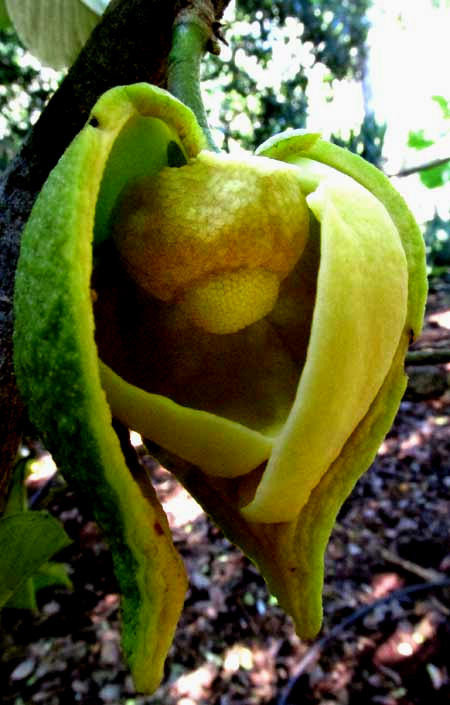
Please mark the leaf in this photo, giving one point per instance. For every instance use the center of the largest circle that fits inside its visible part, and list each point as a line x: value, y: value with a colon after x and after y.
x: 444, y: 105
x: 4, y: 17
x: 54, y: 32
x: 437, y: 176
x: 24, y: 598
x: 27, y: 540
x: 417, y: 140
x: 17, y: 495
x: 51, y: 575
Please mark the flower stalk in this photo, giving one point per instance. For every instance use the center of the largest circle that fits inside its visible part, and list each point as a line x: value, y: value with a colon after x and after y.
x: 192, y: 37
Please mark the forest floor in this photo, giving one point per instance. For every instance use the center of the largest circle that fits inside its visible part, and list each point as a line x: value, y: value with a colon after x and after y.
x: 383, y: 641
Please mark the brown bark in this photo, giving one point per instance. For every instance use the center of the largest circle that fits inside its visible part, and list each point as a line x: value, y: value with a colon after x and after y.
x: 130, y: 44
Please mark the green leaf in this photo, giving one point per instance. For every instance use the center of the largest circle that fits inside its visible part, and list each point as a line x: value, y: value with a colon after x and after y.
x: 417, y: 140
x: 51, y: 575
x: 54, y: 32
x: 27, y: 540
x: 17, y: 495
x: 437, y: 176
x: 24, y: 598
x: 4, y: 17
x: 444, y: 105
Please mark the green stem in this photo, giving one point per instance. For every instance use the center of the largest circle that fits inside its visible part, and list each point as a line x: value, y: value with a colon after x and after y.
x: 189, y: 42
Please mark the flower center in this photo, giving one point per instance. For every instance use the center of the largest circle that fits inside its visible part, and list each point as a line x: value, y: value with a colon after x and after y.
x: 215, y: 236
x: 226, y: 303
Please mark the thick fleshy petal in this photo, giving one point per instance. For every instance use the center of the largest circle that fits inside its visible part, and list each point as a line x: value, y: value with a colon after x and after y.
x: 221, y: 447
x: 359, y: 315
x: 296, y: 146
x: 57, y: 365
x: 290, y: 555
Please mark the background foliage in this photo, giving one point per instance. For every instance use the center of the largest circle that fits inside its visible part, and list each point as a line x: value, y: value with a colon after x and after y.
x: 333, y: 33
x: 25, y: 87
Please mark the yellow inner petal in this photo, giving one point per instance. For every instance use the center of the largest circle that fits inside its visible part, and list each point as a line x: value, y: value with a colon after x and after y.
x: 358, y: 319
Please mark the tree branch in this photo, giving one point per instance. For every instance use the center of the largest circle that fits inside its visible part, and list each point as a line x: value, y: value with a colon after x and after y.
x: 130, y: 44
x: 421, y: 167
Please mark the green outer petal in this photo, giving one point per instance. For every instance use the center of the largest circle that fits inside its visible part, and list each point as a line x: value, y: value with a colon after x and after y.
x: 294, y: 568
x: 297, y: 145
x: 358, y: 319
x: 56, y: 365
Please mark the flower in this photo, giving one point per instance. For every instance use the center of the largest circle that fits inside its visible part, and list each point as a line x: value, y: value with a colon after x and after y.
x: 252, y: 316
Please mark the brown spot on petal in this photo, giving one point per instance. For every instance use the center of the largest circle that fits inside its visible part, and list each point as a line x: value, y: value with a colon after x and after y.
x: 158, y: 528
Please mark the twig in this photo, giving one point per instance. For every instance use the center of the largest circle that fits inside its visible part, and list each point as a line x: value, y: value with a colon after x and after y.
x: 428, y: 356
x: 316, y: 649
x: 410, y: 567
x: 421, y: 167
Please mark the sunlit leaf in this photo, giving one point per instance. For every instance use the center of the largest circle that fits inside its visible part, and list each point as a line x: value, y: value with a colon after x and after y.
x: 54, y: 32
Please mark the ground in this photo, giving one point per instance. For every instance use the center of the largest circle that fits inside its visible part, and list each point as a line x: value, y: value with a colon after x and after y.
x: 384, y: 641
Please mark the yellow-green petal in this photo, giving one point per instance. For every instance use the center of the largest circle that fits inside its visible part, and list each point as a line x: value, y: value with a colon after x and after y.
x: 359, y: 315
x: 219, y: 446
x: 306, y: 542
x: 56, y: 360
x: 295, y: 146
x: 290, y: 555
